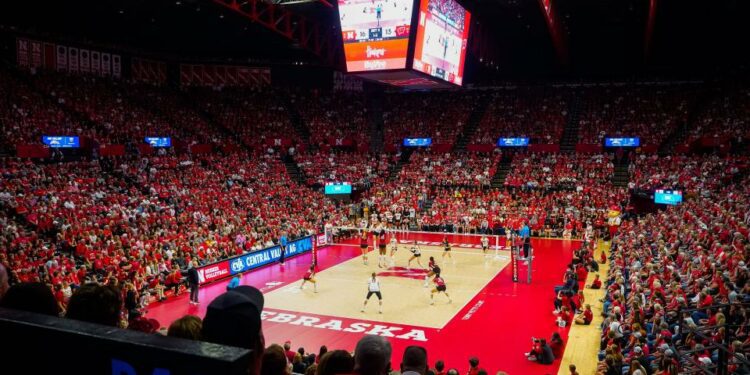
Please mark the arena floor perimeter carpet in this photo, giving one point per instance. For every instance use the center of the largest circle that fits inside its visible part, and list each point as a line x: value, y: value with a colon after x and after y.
x: 496, y: 325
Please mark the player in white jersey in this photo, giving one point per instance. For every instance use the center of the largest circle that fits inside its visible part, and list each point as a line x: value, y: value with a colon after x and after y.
x: 394, y: 249
x: 485, y: 244
x: 373, y: 287
x: 416, y: 253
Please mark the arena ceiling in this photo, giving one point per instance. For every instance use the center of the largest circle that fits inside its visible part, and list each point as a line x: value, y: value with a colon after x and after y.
x: 599, y: 37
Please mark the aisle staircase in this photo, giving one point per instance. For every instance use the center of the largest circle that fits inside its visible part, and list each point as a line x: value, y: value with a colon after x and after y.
x: 570, y: 133
x: 303, y: 132
x: 621, y: 177
x: 472, y: 123
x: 503, y: 168
x: 402, y: 161
x: 292, y: 169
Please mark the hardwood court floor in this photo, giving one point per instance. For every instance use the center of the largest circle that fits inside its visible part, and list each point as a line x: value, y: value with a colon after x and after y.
x: 496, y: 324
x: 343, y: 287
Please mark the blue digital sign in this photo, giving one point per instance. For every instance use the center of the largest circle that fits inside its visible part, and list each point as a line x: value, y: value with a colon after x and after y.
x: 417, y: 142
x: 338, y: 188
x: 269, y: 255
x: 622, y: 142
x: 671, y: 197
x: 61, y: 141
x: 512, y: 142
x: 159, y: 141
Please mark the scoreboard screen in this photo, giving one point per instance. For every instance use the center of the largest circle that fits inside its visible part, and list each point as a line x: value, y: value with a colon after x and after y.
x: 61, y: 141
x: 336, y: 188
x: 512, y: 142
x: 442, y: 35
x: 671, y: 197
x: 375, y: 33
x: 622, y: 142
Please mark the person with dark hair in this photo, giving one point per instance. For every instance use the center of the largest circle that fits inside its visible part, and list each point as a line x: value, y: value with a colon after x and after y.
x: 31, y: 297
x: 188, y: 327
x: 274, y: 361
x: 440, y: 367
x: 96, y: 303
x: 372, y: 356
x: 288, y: 351
x: 414, y: 361
x: 335, y: 362
x: 473, y: 366
x: 323, y: 350
x: 233, y: 319
x: 541, y: 352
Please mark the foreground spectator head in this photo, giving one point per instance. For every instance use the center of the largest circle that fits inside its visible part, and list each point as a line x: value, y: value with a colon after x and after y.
x: 188, y: 327
x: 96, y: 303
x: 233, y: 319
x: 452, y: 372
x: 274, y: 361
x: 335, y: 362
x: 414, y: 360
x: 473, y: 362
x: 31, y: 297
x: 372, y: 356
x: 3, y: 281
x: 439, y: 366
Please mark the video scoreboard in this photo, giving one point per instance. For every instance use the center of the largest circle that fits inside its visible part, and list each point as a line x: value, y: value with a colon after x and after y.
x: 381, y: 42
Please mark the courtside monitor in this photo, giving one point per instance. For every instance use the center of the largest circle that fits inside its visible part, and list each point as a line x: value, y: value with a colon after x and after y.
x: 61, y: 141
x: 159, y: 141
x: 375, y: 33
x: 512, y: 142
x: 622, y: 142
x: 671, y: 197
x: 417, y: 142
x: 442, y: 33
x: 338, y: 188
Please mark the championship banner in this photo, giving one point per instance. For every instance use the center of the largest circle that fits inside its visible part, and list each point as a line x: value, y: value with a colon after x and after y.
x: 36, y: 54
x: 73, y: 60
x: 22, y: 53
x: 116, y: 66
x: 96, y: 63
x: 106, y: 64
x: 84, y: 62
x: 61, y: 59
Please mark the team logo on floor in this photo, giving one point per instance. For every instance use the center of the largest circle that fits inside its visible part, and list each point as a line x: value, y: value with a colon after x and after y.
x: 417, y: 274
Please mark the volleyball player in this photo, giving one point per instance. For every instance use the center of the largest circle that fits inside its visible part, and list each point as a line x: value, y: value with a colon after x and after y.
x: 310, y: 277
x: 485, y: 244
x: 415, y: 254
x: 434, y: 270
x: 373, y: 287
x: 382, y: 248
x: 439, y: 287
x: 394, y: 249
x: 447, y: 249
x: 363, y: 245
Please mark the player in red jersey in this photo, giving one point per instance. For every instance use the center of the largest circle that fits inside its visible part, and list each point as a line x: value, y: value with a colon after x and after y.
x: 439, y: 287
x: 363, y: 245
x: 310, y: 277
x: 434, y: 270
x: 382, y: 262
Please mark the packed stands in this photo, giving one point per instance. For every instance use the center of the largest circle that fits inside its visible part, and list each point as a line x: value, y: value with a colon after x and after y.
x: 650, y: 113
x: 536, y: 170
x: 441, y: 116
x: 455, y: 169
x: 539, y: 116
x: 331, y: 117
x: 362, y: 170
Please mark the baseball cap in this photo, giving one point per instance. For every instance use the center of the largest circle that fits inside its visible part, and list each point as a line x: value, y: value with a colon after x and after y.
x: 233, y: 318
